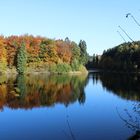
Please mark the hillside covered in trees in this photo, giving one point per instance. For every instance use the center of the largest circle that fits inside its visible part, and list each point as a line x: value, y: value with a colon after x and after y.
x: 122, y: 58
x: 28, y: 54
x: 125, y: 57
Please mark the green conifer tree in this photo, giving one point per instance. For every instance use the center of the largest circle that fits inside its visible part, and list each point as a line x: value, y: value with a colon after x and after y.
x: 21, y: 59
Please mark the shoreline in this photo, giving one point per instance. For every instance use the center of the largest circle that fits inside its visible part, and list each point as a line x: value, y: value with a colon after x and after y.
x: 38, y: 72
x: 113, y: 72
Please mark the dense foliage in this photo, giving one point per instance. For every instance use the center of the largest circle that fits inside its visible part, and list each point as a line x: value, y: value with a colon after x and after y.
x: 125, y: 57
x: 3, y: 55
x: 21, y: 59
x: 93, y: 62
x: 40, y: 53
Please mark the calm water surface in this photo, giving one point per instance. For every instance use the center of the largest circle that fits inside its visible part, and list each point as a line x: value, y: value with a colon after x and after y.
x: 97, y: 106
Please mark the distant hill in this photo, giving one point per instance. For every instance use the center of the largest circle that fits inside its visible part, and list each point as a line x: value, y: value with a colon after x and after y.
x: 124, y: 57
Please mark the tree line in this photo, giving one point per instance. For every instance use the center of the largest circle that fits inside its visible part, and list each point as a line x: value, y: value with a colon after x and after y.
x: 29, y: 53
x: 123, y: 58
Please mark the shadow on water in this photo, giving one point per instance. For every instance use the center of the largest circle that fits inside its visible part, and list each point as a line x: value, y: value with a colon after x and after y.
x: 32, y: 91
x: 127, y: 87
x: 122, y: 85
x: 27, y: 92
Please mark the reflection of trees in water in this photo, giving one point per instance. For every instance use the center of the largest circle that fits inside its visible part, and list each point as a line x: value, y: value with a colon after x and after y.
x: 40, y: 90
x: 125, y: 86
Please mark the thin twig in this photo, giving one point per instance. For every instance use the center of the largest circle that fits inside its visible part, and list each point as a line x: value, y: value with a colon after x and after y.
x: 121, y: 36
x: 72, y: 135
x: 127, y: 123
x: 126, y: 33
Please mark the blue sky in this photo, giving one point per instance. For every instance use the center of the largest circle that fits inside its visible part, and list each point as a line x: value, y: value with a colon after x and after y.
x: 95, y: 21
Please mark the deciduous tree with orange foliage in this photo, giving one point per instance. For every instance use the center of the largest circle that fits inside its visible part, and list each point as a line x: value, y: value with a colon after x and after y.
x: 3, y: 55
x: 42, y: 53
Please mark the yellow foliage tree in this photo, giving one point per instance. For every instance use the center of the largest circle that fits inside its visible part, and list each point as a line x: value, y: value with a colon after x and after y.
x: 3, y: 56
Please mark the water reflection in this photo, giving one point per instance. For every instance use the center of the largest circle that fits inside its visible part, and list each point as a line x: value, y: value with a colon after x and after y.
x: 131, y: 118
x: 123, y: 85
x: 40, y: 90
x: 103, y: 116
x: 127, y: 87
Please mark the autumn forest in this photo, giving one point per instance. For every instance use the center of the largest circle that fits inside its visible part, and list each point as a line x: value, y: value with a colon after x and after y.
x: 38, y: 54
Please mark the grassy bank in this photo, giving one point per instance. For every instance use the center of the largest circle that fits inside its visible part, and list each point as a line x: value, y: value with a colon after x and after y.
x: 48, y: 70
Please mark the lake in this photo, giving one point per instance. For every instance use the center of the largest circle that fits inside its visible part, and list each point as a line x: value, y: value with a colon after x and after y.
x: 96, y: 106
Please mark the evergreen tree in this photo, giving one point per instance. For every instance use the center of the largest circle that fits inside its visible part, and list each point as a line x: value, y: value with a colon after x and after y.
x: 75, y: 51
x: 94, y: 60
x: 43, y: 50
x: 83, y: 50
x: 21, y: 59
x: 67, y: 40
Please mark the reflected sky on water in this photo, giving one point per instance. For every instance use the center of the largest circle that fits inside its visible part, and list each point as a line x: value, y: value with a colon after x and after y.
x: 97, y: 106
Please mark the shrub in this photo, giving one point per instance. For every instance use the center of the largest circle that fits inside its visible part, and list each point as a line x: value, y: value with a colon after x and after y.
x: 82, y: 69
x: 63, y: 68
x: 75, y: 65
